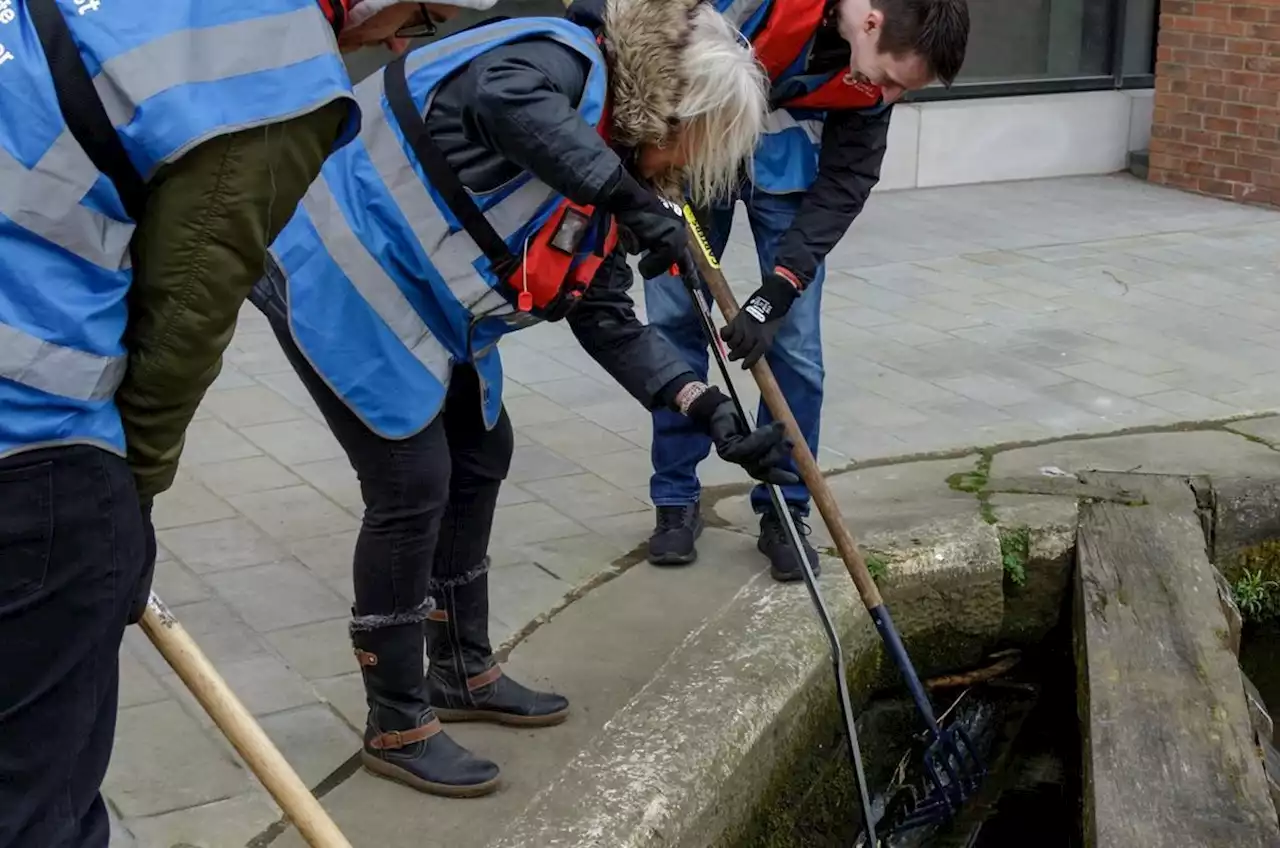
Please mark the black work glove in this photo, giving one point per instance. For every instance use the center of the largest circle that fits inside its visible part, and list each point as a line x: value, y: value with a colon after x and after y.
x: 142, y: 592
x: 647, y: 224
x: 750, y: 334
x: 759, y: 452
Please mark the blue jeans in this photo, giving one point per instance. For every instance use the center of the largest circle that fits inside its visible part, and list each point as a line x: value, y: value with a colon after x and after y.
x: 796, y: 359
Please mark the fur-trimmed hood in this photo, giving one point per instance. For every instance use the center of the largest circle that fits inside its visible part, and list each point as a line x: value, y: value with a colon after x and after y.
x: 643, y: 43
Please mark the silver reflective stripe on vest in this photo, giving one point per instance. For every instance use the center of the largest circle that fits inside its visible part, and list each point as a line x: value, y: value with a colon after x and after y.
x: 373, y: 284
x: 209, y: 54
x: 45, y: 200
x: 780, y: 119
x: 740, y: 10
x: 454, y: 255
x: 56, y: 369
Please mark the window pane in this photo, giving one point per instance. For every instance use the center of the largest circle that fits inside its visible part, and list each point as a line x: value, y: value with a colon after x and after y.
x: 1140, y: 36
x: 1038, y: 39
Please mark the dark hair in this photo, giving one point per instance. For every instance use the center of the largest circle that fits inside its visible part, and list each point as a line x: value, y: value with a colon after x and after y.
x: 936, y: 30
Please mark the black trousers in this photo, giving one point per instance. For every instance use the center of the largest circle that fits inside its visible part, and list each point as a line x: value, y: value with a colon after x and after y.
x: 71, y: 557
x: 429, y: 499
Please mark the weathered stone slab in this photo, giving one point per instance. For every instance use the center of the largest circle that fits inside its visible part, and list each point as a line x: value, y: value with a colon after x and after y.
x: 1169, y: 754
x: 1259, y: 716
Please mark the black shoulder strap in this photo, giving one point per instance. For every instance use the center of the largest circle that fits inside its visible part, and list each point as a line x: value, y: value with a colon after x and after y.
x: 81, y: 108
x: 443, y: 178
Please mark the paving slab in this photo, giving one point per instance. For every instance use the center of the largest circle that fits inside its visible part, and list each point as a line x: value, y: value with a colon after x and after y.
x: 1199, y: 452
x: 599, y: 652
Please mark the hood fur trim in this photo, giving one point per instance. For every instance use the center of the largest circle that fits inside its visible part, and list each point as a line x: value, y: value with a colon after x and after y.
x: 643, y: 42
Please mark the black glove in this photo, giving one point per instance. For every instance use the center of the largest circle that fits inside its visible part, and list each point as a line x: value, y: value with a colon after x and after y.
x: 142, y: 592
x: 647, y: 224
x: 759, y: 452
x: 750, y: 334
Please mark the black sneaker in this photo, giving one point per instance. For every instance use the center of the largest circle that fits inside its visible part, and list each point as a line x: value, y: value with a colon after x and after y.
x: 775, y: 544
x: 673, y: 537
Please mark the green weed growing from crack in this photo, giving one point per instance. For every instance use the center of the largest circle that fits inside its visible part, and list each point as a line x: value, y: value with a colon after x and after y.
x: 1257, y: 597
x: 1015, y: 553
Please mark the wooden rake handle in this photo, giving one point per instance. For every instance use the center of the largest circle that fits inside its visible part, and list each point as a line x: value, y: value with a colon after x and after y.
x: 821, y: 493
x: 237, y: 724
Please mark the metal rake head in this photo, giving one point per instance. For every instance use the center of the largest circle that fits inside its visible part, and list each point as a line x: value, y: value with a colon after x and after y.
x: 953, y: 773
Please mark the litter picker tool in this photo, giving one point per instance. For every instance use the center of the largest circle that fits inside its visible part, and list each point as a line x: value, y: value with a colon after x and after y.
x: 237, y: 724
x: 691, y: 280
x: 952, y: 771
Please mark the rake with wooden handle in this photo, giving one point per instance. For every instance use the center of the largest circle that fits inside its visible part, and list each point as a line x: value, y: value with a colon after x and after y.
x: 237, y: 724
x: 951, y: 766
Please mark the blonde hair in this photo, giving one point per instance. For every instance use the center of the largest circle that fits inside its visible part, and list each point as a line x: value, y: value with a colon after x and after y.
x: 723, y: 109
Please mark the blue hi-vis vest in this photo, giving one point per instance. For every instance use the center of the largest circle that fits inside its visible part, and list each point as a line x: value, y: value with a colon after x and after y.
x: 782, y: 33
x: 171, y: 74
x: 386, y: 291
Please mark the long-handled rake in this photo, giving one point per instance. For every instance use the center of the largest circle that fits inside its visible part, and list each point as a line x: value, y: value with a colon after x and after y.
x: 691, y: 281
x: 952, y: 769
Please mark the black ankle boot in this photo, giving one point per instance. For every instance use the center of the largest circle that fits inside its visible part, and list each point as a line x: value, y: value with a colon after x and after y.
x: 464, y: 682
x: 403, y: 739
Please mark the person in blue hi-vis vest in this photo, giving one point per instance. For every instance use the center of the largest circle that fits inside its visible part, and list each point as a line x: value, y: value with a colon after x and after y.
x: 497, y: 173
x: 837, y: 67
x: 149, y: 152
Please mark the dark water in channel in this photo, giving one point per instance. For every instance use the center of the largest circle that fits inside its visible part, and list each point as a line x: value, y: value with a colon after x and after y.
x: 1260, y: 659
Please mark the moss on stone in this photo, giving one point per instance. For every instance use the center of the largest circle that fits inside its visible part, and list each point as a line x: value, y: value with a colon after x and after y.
x: 1015, y: 553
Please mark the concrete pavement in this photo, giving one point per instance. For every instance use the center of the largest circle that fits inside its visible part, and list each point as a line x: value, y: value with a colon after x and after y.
x: 952, y: 317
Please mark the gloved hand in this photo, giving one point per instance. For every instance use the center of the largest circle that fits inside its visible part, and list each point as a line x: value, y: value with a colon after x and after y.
x: 647, y: 224
x: 142, y: 593
x: 759, y: 452
x: 750, y: 334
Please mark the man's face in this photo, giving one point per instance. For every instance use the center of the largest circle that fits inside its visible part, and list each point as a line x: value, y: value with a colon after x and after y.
x: 382, y: 27
x: 860, y: 24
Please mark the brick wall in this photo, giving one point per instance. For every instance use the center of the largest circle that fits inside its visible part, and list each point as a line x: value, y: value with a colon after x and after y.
x: 1216, y: 127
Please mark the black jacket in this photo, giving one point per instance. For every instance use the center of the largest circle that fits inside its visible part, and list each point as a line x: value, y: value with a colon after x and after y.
x: 512, y: 109
x: 852, y: 151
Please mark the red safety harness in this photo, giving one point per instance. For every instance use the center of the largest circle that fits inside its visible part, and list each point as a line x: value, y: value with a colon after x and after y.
x: 554, y: 268
x: 787, y: 31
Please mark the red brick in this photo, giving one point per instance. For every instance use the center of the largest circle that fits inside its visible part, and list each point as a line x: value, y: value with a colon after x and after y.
x: 1202, y: 138
x: 1259, y: 97
x: 1235, y: 142
x: 1260, y: 63
x: 1194, y: 89
x: 1205, y: 107
x: 1234, y: 174
x: 1217, y: 156
x: 1254, y: 162
x: 1203, y: 74
x: 1225, y: 93
x: 1268, y: 147
x: 1184, y: 23
x: 1225, y: 61
x: 1179, y: 179
x: 1236, y: 110
x: 1202, y: 169
x: 1248, y: 47
x: 1244, y: 79
x: 1164, y: 160
x: 1248, y: 13
x: 1197, y: 41
x: 1215, y: 187
x: 1222, y: 125
x: 1170, y: 8
x: 1212, y: 10
x: 1234, y: 29
x: 1263, y: 32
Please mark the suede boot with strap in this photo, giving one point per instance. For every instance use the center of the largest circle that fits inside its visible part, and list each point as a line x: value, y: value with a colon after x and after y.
x: 465, y: 683
x: 403, y: 739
